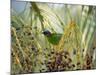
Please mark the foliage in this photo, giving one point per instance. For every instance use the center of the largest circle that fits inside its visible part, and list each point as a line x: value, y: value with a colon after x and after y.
x: 30, y: 50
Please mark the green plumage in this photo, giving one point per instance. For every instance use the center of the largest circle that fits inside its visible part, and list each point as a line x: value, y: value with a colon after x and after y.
x: 54, y: 38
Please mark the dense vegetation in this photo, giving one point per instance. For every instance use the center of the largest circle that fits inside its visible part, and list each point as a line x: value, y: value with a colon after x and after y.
x: 31, y: 52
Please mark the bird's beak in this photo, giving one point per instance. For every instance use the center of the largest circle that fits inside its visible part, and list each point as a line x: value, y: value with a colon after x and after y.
x: 42, y: 32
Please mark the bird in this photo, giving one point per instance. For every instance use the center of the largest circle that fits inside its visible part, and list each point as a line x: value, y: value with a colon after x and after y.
x: 53, y: 38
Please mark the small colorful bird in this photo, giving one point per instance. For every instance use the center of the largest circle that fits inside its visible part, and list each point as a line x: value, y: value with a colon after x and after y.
x: 53, y: 38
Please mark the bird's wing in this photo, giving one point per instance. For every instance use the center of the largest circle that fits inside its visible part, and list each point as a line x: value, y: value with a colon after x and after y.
x: 55, y: 38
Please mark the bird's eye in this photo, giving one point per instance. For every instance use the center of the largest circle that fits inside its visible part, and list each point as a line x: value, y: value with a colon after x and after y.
x: 46, y: 32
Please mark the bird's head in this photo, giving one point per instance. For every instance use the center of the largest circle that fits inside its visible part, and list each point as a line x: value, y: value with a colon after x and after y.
x: 46, y: 33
